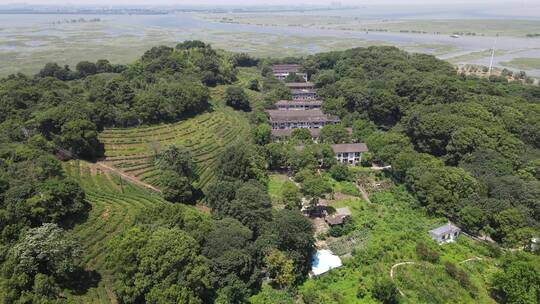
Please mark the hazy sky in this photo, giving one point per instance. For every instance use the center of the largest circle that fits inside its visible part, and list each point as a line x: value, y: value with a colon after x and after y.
x: 253, y: 2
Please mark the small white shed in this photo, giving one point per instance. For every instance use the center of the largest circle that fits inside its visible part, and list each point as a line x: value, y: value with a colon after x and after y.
x: 445, y: 234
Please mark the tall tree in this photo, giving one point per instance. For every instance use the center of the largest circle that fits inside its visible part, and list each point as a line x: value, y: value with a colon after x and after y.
x: 158, y: 266
x: 236, y: 98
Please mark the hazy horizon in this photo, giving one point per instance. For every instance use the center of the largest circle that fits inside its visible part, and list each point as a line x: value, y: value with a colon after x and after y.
x: 267, y: 3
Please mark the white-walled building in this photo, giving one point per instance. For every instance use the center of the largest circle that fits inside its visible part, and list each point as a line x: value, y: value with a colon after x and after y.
x: 298, y: 104
x: 279, y: 134
x: 304, y: 94
x: 350, y: 154
x: 281, y: 71
x: 292, y: 119
x: 300, y: 85
x: 445, y: 234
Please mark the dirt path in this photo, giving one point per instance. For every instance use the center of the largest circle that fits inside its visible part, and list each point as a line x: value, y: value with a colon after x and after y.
x: 126, y: 176
x: 417, y: 263
x: 392, y: 273
x: 380, y: 168
x: 365, y: 195
x: 470, y: 260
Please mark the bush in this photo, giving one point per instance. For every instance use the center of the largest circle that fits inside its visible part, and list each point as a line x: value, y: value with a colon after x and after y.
x: 290, y: 195
x: 385, y: 291
x: 244, y: 60
x: 459, y: 275
x: 493, y: 250
x: 253, y: 85
x: 341, y: 230
x: 426, y: 254
x: 340, y: 172
x: 236, y: 98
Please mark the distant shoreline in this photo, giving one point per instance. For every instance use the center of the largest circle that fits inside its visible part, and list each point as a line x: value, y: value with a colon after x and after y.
x: 165, y: 11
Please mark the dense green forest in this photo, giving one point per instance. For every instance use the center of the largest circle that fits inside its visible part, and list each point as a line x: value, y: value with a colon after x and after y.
x: 460, y: 148
x: 467, y: 148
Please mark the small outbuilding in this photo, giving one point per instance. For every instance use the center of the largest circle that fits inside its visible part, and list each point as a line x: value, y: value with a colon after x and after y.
x: 445, y: 234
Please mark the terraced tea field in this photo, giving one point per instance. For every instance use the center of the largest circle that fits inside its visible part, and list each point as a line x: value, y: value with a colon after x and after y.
x: 207, y: 135
x: 114, y: 204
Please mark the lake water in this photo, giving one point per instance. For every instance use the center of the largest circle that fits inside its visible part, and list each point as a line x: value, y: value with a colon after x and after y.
x: 33, y: 27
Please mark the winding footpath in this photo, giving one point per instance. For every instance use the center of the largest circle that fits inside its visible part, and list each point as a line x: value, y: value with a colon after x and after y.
x: 392, y: 272
x: 418, y: 263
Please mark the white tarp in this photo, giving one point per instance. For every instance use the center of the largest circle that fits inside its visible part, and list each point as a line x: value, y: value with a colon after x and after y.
x: 323, y: 261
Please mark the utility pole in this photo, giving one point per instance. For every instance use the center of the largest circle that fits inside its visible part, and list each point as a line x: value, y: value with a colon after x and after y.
x: 493, y: 54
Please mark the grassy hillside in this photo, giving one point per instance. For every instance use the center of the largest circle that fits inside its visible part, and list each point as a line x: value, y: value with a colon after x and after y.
x: 206, y: 135
x: 386, y: 233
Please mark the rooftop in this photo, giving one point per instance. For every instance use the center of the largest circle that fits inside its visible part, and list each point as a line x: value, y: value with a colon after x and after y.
x: 312, y: 102
x: 314, y: 115
x: 303, y: 91
x: 444, y: 229
x: 348, y: 148
x: 293, y: 85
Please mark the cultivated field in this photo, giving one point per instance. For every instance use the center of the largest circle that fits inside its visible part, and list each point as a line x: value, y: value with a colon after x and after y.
x: 114, y: 204
x: 131, y: 150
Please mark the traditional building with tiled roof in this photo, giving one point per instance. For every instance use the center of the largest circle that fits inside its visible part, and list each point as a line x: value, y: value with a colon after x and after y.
x: 290, y: 119
x: 304, y: 94
x: 281, y: 71
x: 298, y: 104
x: 350, y: 154
x: 300, y: 85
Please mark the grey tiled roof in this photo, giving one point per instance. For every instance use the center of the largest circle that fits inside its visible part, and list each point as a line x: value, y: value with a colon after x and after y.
x: 303, y: 91
x: 444, y: 229
x: 293, y: 85
x: 314, y: 115
x: 312, y: 102
x: 348, y: 148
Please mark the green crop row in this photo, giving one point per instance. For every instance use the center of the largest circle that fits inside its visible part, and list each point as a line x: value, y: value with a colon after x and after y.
x: 206, y: 136
x: 114, y: 204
